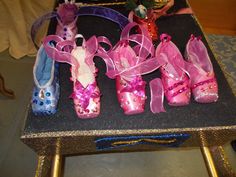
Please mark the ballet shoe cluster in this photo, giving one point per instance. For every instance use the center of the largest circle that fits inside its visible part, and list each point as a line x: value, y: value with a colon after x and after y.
x: 133, y: 56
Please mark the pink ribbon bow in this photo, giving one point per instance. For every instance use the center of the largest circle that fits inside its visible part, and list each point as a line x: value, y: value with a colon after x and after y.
x: 140, y: 58
x: 84, y: 94
x: 136, y: 86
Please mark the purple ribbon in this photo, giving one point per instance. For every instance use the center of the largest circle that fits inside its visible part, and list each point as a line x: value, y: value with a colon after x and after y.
x: 136, y: 86
x: 106, y: 13
x: 38, y: 23
x: 102, y: 12
x: 84, y: 94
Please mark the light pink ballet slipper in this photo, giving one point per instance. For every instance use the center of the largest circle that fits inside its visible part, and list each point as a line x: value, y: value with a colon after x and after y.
x: 174, y: 75
x: 203, y: 82
x: 86, y: 94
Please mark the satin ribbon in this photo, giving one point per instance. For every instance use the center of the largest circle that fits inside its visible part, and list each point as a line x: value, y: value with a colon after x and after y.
x: 140, y: 60
x: 140, y: 57
x: 57, y: 52
x: 136, y: 86
x: 106, y: 13
x: 84, y: 94
x: 102, y: 12
x: 157, y: 96
x: 54, y: 45
x: 38, y: 23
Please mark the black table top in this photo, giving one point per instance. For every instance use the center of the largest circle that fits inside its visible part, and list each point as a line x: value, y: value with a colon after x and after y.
x: 195, y: 115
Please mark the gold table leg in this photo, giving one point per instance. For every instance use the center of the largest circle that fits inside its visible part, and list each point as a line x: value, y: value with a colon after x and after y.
x: 209, y: 161
x: 44, y: 166
x: 56, y: 166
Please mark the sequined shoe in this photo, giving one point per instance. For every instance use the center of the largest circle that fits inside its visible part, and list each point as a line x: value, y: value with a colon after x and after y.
x: 67, y: 18
x: 126, y: 63
x: 147, y: 21
x: 46, y: 90
x: 203, y: 82
x: 174, y: 77
x: 86, y: 94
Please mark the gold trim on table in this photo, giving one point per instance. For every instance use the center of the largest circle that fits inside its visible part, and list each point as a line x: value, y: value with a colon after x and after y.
x: 83, y: 141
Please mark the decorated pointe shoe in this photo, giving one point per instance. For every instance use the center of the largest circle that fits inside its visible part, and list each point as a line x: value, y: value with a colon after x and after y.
x: 203, y: 82
x: 67, y: 18
x: 173, y: 74
x: 126, y: 64
x: 86, y: 94
x: 45, y: 96
x: 146, y: 19
x: 46, y: 90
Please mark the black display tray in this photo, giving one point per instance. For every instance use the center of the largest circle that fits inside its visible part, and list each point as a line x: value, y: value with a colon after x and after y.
x: 195, y: 115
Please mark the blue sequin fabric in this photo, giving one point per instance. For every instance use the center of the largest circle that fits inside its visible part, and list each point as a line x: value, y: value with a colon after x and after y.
x: 46, y: 90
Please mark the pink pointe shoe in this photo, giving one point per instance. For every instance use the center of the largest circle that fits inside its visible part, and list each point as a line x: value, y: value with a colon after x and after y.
x: 67, y: 18
x: 174, y: 78
x: 86, y: 94
x: 126, y: 64
x: 203, y: 82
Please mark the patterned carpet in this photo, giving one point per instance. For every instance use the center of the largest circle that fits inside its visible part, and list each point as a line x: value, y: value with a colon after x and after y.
x: 224, y: 48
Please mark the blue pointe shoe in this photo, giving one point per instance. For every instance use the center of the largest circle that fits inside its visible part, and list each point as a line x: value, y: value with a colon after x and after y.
x: 46, y: 90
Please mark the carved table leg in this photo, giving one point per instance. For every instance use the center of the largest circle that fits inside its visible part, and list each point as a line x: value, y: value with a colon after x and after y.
x: 6, y: 92
x: 44, y: 166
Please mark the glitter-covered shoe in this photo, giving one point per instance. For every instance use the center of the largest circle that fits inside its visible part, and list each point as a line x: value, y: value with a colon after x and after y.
x: 67, y: 18
x: 174, y: 76
x: 86, y: 94
x: 127, y: 63
x: 203, y: 82
x: 146, y: 20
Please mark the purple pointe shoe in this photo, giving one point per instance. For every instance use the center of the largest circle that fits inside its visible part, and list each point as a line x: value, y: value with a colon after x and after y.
x: 67, y: 18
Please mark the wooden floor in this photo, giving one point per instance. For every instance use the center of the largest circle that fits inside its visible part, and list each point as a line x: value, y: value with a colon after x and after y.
x: 216, y: 16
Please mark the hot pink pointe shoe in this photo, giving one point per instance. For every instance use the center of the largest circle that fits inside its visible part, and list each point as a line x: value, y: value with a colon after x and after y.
x: 86, y: 94
x: 67, y: 18
x: 203, y: 82
x: 174, y: 78
x: 126, y: 64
